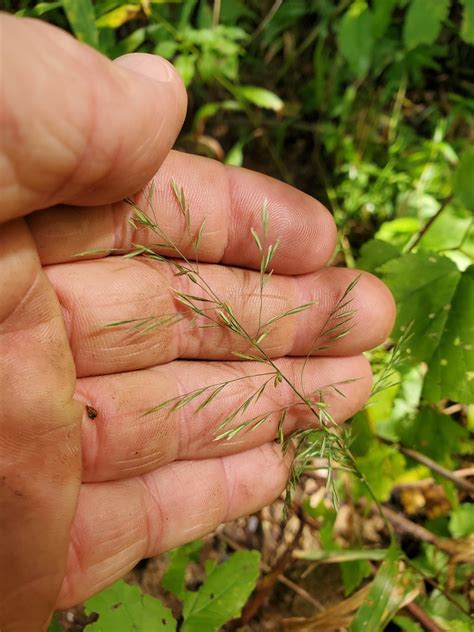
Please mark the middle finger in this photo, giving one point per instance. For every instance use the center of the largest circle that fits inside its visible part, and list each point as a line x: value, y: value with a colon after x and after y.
x: 96, y: 293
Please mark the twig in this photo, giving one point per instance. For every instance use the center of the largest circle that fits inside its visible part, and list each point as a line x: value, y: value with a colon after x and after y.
x: 267, y: 19
x: 421, y: 616
x: 415, y: 240
x: 460, y: 482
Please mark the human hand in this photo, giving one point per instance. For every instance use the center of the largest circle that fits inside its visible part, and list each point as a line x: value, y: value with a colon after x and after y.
x: 83, y: 499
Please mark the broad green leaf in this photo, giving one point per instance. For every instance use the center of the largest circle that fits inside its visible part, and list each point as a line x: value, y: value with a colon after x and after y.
x: 453, y: 227
x: 123, y: 608
x: 186, y: 66
x: 461, y: 522
x: 223, y: 594
x: 423, y: 21
x: 451, y: 370
x: 467, y: 28
x: 174, y: 577
x: 393, y: 586
x: 80, y: 14
x: 375, y: 253
x: 463, y: 182
x: 382, y: 466
x: 353, y: 573
x: 382, y: 13
x: 423, y: 285
x: 355, y: 37
x: 432, y: 433
x: 166, y: 49
x: 398, y: 231
x: 119, y: 16
x: 447, y: 614
x: 261, y: 97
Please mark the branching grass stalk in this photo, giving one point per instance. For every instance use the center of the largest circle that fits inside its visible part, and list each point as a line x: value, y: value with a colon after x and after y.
x: 326, y: 440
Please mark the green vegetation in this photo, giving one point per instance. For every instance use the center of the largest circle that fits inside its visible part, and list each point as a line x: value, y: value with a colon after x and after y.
x: 369, y: 107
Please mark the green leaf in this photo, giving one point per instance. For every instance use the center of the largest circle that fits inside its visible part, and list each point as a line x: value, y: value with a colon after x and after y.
x: 450, y: 229
x: 463, y: 182
x: 166, y: 49
x: 447, y: 614
x: 382, y: 12
x: 235, y: 155
x: 461, y: 522
x: 340, y: 555
x: 467, y: 28
x: 123, y: 608
x: 353, y: 573
x: 406, y: 624
x: 186, y: 66
x: 223, y: 594
x: 423, y: 285
x: 174, y: 577
x: 80, y: 14
x: 375, y: 253
x: 382, y: 466
x: 391, y: 588
x: 423, y: 22
x: 119, y: 16
x: 54, y: 626
x: 355, y: 37
x: 432, y: 433
x: 260, y: 97
x: 451, y: 370
x: 399, y: 230
x: 40, y: 9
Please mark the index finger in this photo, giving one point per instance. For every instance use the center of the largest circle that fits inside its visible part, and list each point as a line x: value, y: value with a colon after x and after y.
x: 77, y: 128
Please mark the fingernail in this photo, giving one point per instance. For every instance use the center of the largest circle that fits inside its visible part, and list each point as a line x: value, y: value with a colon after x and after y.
x: 151, y: 66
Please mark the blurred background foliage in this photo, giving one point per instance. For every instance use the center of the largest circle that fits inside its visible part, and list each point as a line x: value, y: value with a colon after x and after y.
x: 367, y: 105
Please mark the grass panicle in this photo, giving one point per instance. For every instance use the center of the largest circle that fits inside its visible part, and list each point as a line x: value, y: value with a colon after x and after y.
x: 325, y: 440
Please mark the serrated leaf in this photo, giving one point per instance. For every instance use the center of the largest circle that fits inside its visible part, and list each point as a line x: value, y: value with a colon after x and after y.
x: 467, y: 27
x: 392, y: 587
x: 463, y: 181
x: 260, y: 97
x: 451, y: 370
x: 81, y: 17
x: 223, y: 594
x: 423, y: 286
x: 355, y: 38
x: 123, y: 608
x: 423, y: 21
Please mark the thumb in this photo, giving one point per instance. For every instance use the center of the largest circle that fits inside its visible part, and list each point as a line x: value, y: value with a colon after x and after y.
x: 77, y: 128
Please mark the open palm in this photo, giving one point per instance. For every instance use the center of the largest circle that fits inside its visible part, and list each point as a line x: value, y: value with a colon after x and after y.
x: 88, y: 485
